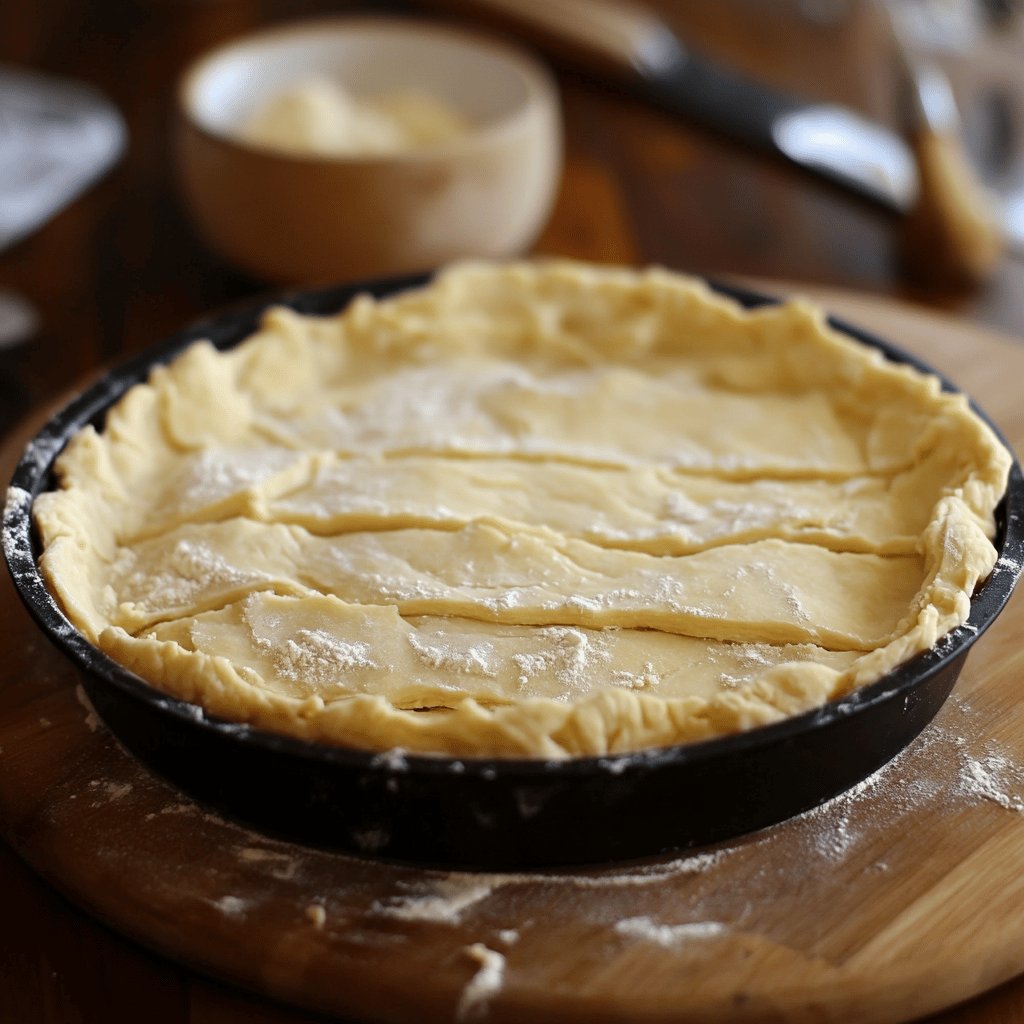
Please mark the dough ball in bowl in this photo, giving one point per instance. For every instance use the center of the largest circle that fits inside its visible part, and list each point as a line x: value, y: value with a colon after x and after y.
x: 398, y: 145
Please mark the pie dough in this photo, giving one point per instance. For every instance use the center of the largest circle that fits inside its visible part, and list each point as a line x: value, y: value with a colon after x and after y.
x: 317, y: 116
x: 544, y: 509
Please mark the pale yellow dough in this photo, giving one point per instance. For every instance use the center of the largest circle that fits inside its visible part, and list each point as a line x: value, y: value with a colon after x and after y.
x: 317, y: 116
x: 542, y: 509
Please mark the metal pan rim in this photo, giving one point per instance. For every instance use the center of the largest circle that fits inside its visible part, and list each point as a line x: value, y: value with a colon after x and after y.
x: 230, y: 326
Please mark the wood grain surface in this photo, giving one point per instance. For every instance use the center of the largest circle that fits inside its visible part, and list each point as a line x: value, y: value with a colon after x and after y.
x: 121, y: 268
x: 896, y: 900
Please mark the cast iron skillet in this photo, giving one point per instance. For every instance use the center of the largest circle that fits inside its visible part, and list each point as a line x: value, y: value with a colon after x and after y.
x: 492, y: 813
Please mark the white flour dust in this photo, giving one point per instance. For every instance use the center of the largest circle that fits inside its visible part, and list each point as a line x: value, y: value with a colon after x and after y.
x: 276, y: 864
x: 486, y: 983
x: 992, y: 777
x: 444, y: 903
x: 669, y: 935
x: 689, y: 899
x: 444, y: 899
x: 939, y: 772
x: 232, y: 906
x: 111, y: 791
x: 92, y: 720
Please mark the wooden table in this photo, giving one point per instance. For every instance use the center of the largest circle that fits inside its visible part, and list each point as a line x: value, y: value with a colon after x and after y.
x: 121, y: 268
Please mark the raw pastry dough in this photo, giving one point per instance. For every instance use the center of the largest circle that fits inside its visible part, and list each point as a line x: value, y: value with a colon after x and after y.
x: 318, y: 116
x: 540, y: 509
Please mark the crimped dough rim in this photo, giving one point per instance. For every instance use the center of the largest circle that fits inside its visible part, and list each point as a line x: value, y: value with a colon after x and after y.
x: 611, y: 721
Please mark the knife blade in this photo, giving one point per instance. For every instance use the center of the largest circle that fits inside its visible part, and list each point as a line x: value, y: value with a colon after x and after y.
x: 829, y: 140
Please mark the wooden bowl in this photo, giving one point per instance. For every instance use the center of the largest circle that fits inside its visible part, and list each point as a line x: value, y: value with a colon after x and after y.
x: 291, y: 218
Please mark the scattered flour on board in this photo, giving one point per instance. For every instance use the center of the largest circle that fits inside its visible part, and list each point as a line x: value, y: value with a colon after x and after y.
x: 484, y: 985
x: 111, y: 790
x: 254, y: 854
x: 689, y: 864
x: 832, y: 832
x: 938, y: 773
x: 445, y: 898
x: 92, y: 720
x: 448, y: 899
x: 231, y: 906
x: 284, y: 866
x: 988, y: 777
x: 669, y: 935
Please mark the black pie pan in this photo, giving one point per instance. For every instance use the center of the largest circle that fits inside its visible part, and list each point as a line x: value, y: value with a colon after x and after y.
x: 491, y: 813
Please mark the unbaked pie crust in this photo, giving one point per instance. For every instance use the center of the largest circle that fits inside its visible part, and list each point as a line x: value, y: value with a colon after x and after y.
x: 543, y: 509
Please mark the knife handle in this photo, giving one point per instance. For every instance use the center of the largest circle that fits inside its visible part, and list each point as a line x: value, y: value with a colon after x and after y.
x: 633, y: 43
x: 614, y: 34
x: 721, y: 100
x: 630, y: 44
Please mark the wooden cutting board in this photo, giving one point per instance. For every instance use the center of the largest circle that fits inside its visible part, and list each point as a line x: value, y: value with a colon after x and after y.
x: 895, y: 900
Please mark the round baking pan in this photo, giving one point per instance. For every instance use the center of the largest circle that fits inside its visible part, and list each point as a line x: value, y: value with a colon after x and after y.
x: 491, y: 812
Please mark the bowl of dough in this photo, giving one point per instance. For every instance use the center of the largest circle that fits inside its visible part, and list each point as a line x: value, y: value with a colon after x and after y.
x: 351, y: 148
x: 528, y: 563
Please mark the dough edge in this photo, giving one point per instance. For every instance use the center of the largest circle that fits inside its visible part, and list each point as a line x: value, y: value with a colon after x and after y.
x: 606, y: 723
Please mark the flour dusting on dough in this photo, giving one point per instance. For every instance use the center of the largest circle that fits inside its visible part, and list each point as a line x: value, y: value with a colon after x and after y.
x: 316, y: 656
x: 441, y: 654
x: 570, y: 658
x: 534, y: 509
x: 191, y: 568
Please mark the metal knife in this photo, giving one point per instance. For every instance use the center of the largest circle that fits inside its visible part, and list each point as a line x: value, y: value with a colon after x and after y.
x: 631, y: 44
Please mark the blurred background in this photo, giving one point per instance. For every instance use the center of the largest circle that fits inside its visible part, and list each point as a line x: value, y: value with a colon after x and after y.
x: 121, y: 265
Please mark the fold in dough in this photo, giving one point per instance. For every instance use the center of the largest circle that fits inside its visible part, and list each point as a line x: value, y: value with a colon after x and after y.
x: 539, y: 509
x: 769, y: 590
x: 644, y: 508
x: 296, y: 647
